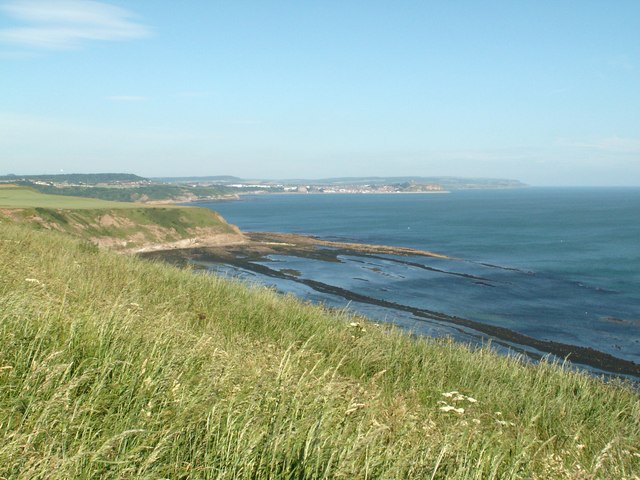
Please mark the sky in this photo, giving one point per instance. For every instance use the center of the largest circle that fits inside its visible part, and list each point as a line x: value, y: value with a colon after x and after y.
x: 546, y: 92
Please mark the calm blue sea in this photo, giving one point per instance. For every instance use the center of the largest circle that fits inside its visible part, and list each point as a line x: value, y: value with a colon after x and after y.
x: 556, y: 264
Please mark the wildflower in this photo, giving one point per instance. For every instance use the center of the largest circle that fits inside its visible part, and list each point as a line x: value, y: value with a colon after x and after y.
x: 33, y: 280
x: 357, y: 326
x: 502, y: 423
x: 476, y: 421
x: 450, y: 408
x: 456, y: 396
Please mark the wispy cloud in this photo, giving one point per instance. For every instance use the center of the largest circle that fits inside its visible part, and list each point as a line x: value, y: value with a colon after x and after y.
x: 609, y: 144
x: 127, y: 98
x: 64, y: 24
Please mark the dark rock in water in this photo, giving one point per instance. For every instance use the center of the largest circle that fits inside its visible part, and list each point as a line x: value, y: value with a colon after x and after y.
x: 620, y: 320
x: 249, y: 257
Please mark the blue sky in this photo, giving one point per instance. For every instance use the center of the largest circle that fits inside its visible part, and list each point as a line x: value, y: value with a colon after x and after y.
x: 547, y: 92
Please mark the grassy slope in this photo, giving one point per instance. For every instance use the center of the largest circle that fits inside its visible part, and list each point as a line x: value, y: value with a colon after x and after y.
x: 121, y: 224
x: 12, y: 196
x: 113, y: 367
x: 140, y: 193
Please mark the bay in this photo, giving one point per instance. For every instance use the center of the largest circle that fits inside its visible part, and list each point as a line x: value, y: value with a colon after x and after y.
x: 556, y: 264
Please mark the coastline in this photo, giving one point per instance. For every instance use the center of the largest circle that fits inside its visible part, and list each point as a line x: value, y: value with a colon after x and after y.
x: 259, y: 245
x: 238, y: 196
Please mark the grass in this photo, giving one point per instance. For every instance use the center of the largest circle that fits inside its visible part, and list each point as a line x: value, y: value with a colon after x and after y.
x: 12, y: 196
x: 111, y: 367
x: 120, y: 224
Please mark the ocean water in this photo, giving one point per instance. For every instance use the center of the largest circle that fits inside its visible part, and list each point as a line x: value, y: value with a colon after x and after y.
x: 554, y: 264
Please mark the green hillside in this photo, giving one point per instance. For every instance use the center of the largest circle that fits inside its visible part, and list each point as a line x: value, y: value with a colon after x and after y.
x: 143, y: 193
x: 112, y: 367
x: 86, y: 178
x: 13, y: 196
x: 114, y: 224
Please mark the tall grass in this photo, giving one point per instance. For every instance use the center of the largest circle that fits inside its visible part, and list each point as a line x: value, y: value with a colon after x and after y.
x: 116, y: 368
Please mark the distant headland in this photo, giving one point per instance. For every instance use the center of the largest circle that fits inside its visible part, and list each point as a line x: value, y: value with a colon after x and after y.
x: 125, y: 187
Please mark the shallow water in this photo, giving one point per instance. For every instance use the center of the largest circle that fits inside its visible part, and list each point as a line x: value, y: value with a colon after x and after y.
x: 554, y: 264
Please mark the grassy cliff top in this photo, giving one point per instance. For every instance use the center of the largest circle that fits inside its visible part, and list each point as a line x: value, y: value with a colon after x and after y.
x: 115, y: 224
x: 112, y: 367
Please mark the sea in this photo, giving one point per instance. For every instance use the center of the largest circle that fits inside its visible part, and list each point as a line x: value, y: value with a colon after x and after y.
x: 555, y: 264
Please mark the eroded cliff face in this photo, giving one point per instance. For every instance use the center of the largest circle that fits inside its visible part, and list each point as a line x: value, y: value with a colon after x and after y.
x: 133, y: 229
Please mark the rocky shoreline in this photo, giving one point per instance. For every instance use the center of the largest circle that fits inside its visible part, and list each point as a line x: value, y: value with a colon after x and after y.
x: 260, y: 245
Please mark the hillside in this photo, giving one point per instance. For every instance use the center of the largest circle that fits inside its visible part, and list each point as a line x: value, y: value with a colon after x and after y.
x: 112, y: 367
x: 155, y: 194
x: 124, y: 226
x: 76, y: 178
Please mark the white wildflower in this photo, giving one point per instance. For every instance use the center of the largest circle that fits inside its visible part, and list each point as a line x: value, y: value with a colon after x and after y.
x: 450, y: 408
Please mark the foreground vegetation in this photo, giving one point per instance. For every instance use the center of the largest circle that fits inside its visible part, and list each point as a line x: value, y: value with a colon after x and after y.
x: 114, y: 367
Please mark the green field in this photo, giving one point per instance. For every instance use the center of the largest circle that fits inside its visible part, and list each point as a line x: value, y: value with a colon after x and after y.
x: 12, y: 196
x: 112, y: 367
